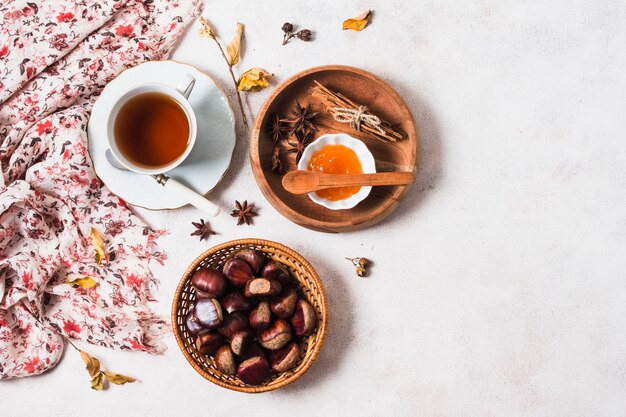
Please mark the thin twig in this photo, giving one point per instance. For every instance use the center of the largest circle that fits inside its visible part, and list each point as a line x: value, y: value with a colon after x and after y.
x: 232, y: 75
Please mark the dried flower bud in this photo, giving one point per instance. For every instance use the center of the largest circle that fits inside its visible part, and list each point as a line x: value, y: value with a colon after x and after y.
x: 287, y: 27
x: 304, y: 34
x: 364, y: 262
x: 360, y: 271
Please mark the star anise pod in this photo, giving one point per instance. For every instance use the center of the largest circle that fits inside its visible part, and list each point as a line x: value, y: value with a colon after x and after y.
x: 202, y: 229
x: 277, y: 165
x: 243, y: 212
x: 302, y: 141
x: 278, y: 128
x: 303, y: 119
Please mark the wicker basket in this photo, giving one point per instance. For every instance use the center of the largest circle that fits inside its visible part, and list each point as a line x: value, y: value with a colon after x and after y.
x: 309, y: 287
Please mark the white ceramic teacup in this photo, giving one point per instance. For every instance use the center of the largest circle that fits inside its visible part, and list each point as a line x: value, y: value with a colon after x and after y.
x: 180, y: 94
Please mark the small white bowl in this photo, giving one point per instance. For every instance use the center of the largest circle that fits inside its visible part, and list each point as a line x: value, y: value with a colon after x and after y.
x: 365, y: 157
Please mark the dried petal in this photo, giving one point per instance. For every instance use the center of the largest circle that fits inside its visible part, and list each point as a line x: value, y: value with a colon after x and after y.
x: 358, y: 23
x: 206, y: 31
x: 84, y: 282
x: 93, y: 364
x: 97, y: 241
x: 234, y: 47
x: 97, y: 382
x: 255, y: 79
x: 118, y: 379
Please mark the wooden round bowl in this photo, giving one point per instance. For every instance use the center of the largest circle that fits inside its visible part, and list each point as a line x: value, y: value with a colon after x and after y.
x: 308, y: 285
x: 363, y: 88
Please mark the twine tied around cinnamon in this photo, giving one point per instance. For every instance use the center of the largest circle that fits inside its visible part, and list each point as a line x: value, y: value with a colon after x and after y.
x: 344, y: 110
x: 356, y: 117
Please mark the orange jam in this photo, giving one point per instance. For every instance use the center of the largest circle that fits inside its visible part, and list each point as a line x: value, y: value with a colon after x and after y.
x: 336, y: 159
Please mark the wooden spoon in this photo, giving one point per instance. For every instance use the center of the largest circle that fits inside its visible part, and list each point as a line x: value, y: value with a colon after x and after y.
x: 302, y: 182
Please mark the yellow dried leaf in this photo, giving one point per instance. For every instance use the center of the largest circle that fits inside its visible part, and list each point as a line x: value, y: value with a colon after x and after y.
x: 255, y: 79
x: 97, y: 242
x: 207, y: 30
x: 97, y: 382
x: 118, y: 379
x: 358, y: 23
x: 93, y: 364
x: 84, y: 282
x: 234, y: 47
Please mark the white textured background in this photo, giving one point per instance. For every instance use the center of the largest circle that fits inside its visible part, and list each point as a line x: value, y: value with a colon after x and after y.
x: 499, y: 284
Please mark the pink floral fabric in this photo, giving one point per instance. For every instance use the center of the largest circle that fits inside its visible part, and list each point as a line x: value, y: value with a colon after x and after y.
x: 55, y: 57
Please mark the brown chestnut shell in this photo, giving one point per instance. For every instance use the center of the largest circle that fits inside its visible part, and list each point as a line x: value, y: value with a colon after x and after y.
x: 207, y: 343
x: 225, y: 360
x: 284, y: 304
x: 284, y: 359
x: 235, y: 301
x: 209, y: 282
x: 275, y: 336
x: 254, y: 371
x: 233, y: 323
x: 304, y: 319
x: 238, y: 272
x: 276, y: 271
x: 262, y: 287
x: 254, y: 258
x: 260, y: 317
x: 241, y: 340
x: 253, y: 349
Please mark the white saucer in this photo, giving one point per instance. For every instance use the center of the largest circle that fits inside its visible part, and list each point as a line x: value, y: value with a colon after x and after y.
x: 211, y: 154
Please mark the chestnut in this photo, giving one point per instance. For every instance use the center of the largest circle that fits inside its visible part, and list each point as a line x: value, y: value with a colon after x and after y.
x: 208, y: 313
x: 260, y: 316
x: 225, y: 361
x: 254, y: 371
x: 235, y: 301
x: 209, y: 282
x: 304, y: 318
x: 238, y: 272
x: 254, y: 258
x: 261, y: 287
x: 282, y: 360
x: 207, y: 343
x: 241, y: 340
x: 252, y: 350
x: 192, y: 325
x: 276, y: 271
x: 233, y: 323
x: 284, y: 304
x: 276, y: 336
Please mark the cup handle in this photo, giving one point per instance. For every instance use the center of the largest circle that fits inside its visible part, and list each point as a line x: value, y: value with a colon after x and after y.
x: 195, y: 199
x: 185, y: 86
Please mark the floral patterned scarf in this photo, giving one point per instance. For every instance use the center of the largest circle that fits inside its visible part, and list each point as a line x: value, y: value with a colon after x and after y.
x: 55, y: 57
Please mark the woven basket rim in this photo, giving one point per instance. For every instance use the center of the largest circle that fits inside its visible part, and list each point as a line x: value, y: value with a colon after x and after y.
x: 321, y: 330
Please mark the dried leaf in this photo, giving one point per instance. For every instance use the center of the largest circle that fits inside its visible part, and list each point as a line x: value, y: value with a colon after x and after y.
x: 234, y: 47
x: 97, y: 382
x: 118, y: 379
x: 98, y: 244
x: 255, y: 79
x: 93, y: 364
x: 358, y: 23
x: 84, y: 282
x: 206, y: 31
